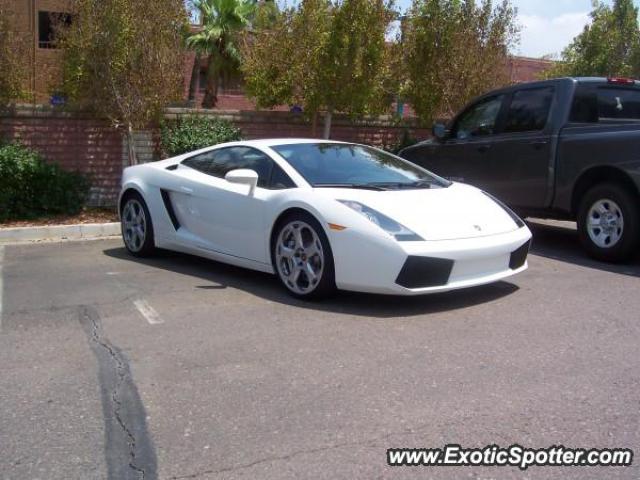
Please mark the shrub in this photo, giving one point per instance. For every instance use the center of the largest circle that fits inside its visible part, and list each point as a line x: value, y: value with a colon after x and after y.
x: 30, y: 187
x: 194, y: 132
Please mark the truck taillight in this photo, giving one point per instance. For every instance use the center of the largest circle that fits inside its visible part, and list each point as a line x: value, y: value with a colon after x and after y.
x: 621, y: 81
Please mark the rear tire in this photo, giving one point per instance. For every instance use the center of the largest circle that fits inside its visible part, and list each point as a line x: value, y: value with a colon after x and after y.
x: 302, y: 257
x: 136, y: 226
x: 609, y: 223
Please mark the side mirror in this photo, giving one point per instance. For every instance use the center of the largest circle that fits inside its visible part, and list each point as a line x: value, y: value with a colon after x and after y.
x: 243, y: 176
x: 439, y: 131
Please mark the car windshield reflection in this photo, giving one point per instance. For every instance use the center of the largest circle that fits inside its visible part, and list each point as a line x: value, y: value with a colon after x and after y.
x: 356, y: 166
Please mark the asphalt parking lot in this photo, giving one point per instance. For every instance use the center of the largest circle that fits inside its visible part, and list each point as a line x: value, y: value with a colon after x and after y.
x: 178, y: 367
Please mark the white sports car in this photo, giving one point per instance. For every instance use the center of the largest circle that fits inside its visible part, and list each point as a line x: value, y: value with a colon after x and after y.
x: 323, y: 215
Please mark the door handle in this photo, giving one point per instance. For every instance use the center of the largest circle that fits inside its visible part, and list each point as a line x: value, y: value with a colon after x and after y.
x: 186, y: 190
x: 484, y: 148
x: 538, y: 144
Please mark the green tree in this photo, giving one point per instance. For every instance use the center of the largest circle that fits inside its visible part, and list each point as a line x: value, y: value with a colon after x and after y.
x: 324, y: 56
x: 11, y: 68
x: 222, y: 23
x: 608, y: 46
x: 266, y: 54
x: 123, y: 60
x: 353, y: 65
x: 452, y: 51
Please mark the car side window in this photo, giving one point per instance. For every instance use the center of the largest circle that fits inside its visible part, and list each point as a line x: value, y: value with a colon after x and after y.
x: 479, y: 120
x: 220, y: 162
x: 279, y: 179
x: 529, y: 110
x: 200, y: 162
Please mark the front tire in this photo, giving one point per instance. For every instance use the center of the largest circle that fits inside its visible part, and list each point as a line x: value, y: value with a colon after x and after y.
x: 609, y: 223
x: 136, y: 226
x: 302, y: 257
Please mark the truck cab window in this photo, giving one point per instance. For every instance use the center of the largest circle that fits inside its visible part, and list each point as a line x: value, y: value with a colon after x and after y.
x: 479, y: 120
x: 529, y: 110
x: 619, y: 104
x: 585, y: 107
x: 605, y: 104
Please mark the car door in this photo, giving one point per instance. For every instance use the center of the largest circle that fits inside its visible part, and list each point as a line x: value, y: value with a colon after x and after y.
x: 520, y: 156
x: 462, y: 155
x: 221, y: 216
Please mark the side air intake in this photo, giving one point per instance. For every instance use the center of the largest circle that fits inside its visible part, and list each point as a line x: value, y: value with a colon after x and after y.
x: 166, y: 199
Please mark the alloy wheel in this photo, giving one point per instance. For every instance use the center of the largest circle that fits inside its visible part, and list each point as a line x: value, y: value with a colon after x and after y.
x: 134, y: 225
x: 299, y: 257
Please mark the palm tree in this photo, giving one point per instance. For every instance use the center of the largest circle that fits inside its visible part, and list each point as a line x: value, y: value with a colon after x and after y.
x: 222, y: 22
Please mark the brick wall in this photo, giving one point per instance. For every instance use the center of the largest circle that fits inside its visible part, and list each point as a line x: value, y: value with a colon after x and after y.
x: 89, y: 146
x: 379, y: 131
x: 93, y: 147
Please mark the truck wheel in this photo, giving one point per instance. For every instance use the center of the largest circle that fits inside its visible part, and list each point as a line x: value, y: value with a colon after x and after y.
x: 609, y: 223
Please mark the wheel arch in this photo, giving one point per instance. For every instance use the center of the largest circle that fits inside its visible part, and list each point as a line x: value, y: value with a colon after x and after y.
x: 126, y: 192
x: 598, y: 175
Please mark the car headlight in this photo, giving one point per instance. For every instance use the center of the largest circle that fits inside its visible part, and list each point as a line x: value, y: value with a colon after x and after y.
x: 393, y: 228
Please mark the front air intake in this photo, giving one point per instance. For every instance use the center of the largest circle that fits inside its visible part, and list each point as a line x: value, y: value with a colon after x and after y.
x: 425, y: 272
x: 519, y: 256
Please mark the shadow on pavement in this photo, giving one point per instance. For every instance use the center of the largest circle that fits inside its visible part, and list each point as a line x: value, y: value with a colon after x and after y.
x: 560, y: 242
x: 267, y: 286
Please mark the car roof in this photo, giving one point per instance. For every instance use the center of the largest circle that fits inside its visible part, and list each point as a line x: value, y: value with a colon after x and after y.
x: 551, y: 82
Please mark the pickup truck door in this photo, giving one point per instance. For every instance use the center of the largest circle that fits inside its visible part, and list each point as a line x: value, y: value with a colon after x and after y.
x: 463, y: 155
x: 520, y: 156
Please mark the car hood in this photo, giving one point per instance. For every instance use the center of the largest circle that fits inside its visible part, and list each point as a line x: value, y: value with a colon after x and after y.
x: 457, y: 212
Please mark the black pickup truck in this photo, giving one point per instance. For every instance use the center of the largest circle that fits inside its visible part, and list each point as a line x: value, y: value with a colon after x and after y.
x: 566, y: 149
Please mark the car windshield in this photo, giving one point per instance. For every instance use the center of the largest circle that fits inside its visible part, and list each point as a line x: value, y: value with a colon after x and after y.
x: 355, y: 166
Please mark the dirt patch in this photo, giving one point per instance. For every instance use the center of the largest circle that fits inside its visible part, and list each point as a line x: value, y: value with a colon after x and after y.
x: 88, y: 215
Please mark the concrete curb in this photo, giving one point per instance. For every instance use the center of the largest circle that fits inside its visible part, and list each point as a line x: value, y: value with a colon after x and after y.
x: 58, y: 232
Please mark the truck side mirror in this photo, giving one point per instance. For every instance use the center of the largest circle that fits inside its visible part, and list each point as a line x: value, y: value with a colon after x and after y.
x: 439, y: 131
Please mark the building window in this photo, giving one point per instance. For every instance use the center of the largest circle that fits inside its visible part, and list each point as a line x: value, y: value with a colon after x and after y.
x: 48, y: 24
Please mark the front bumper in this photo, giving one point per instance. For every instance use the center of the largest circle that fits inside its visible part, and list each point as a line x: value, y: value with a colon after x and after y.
x: 382, y: 265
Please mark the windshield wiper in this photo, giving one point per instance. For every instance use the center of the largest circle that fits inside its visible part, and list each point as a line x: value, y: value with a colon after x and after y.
x: 402, y: 185
x: 422, y: 184
x: 359, y: 186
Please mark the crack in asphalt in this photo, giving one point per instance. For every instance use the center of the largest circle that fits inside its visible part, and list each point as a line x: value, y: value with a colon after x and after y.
x: 362, y: 443
x: 128, y: 448
x: 375, y: 442
x: 262, y: 460
x: 72, y: 306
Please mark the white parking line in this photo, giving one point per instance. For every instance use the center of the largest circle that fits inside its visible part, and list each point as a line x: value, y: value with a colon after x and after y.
x: 148, y: 312
x: 1, y: 286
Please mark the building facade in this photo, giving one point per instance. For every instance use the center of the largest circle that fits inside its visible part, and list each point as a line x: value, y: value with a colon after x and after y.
x: 32, y: 31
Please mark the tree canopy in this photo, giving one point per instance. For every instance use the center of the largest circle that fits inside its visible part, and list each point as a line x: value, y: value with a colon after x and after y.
x: 608, y: 46
x: 222, y: 23
x: 453, y: 50
x: 323, y: 56
x: 123, y: 60
x: 11, y: 78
